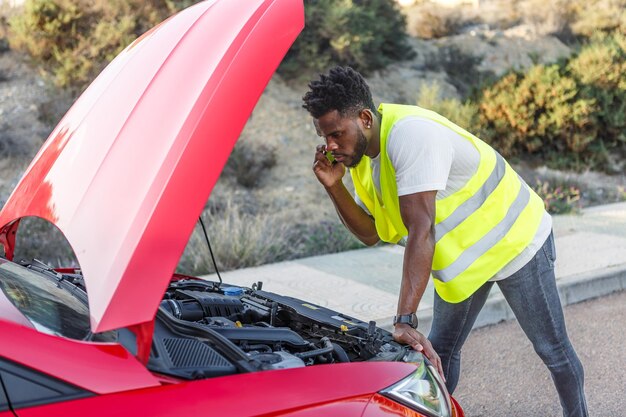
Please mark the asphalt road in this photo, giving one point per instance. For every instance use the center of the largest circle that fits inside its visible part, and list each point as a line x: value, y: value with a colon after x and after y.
x: 502, y: 376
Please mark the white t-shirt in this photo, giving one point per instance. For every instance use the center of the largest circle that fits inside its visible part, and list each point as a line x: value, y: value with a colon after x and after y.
x: 443, y: 161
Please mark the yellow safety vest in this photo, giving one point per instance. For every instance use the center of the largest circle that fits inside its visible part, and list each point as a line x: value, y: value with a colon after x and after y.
x: 478, y: 229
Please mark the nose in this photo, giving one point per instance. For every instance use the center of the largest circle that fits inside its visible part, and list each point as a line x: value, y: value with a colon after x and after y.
x: 331, y: 145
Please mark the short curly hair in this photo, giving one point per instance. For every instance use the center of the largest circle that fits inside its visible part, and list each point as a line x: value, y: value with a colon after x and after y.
x: 342, y: 89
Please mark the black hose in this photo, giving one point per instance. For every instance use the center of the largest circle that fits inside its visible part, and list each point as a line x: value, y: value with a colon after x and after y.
x: 328, y: 348
x: 340, y: 354
x: 264, y: 348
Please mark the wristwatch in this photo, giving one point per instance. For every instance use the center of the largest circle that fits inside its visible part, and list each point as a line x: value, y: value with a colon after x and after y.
x: 410, y: 319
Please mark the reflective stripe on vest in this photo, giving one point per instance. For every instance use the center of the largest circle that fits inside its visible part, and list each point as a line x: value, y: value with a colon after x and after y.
x: 478, y: 229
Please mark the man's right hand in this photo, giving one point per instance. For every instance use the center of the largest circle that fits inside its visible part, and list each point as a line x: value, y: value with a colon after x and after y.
x: 405, y: 334
x: 327, y: 173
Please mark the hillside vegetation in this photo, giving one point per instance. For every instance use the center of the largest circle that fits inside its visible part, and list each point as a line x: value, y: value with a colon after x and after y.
x: 543, y: 81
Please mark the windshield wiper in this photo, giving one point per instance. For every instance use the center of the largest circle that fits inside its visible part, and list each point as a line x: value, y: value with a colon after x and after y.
x: 63, y: 280
x: 41, y: 266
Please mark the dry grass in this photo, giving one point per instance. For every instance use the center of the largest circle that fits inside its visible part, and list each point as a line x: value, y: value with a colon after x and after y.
x: 241, y: 238
x: 429, y: 21
x: 38, y: 239
x: 238, y: 238
x: 563, y: 18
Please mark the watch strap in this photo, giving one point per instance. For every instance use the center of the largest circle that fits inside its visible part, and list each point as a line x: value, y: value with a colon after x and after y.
x: 410, y: 319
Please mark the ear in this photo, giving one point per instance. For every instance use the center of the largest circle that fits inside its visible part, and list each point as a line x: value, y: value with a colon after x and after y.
x: 367, y: 118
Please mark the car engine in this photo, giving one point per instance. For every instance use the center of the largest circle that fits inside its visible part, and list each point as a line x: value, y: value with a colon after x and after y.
x: 205, y: 329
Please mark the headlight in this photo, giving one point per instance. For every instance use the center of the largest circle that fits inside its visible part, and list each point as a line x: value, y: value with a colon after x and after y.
x: 423, y: 390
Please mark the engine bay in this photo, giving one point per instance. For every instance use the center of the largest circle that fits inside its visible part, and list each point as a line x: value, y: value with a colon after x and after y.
x: 204, y: 329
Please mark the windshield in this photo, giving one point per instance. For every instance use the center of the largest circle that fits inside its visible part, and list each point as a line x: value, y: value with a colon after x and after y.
x: 44, y: 302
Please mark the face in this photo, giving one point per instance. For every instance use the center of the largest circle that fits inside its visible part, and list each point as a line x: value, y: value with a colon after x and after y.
x: 344, y: 137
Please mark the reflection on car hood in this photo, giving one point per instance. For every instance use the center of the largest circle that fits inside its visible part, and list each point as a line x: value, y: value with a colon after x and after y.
x: 127, y: 171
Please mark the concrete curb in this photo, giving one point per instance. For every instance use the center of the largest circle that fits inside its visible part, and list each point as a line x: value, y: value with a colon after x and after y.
x: 572, y: 289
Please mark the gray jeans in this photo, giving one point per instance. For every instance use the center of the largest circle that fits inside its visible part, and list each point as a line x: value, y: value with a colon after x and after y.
x: 532, y: 295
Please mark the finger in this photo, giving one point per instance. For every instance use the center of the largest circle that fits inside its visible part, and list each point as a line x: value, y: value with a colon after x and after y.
x: 321, y: 148
x: 318, y: 166
x: 435, y: 360
x: 417, y: 346
x: 321, y: 156
x: 440, y: 370
x: 321, y: 165
x: 415, y: 343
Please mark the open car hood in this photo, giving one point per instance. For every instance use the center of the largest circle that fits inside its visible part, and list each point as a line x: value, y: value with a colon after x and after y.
x: 127, y: 171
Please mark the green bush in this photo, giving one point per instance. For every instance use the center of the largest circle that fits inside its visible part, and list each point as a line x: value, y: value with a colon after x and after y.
x: 73, y: 40
x: 463, y: 114
x: 4, y: 40
x: 365, y: 34
x: 540, y: 112
x: 600, y: 70
x: 249, y: 161
x: 571, y: 114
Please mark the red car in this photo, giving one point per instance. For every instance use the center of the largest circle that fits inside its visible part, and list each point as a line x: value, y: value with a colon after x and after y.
x: 124, y: 176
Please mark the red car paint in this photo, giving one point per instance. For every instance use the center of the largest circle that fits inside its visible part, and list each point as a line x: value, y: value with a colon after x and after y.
x: 126, y: 388
x: 100, y: 368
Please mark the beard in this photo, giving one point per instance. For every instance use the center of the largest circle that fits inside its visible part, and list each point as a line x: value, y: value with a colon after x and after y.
x: 359, y: 151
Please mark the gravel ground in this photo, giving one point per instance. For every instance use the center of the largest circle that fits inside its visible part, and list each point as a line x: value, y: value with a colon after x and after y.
x: 502, y: 376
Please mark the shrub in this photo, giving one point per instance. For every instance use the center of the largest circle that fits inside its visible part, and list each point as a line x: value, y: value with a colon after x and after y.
x: 365, y: 34
x: 249, y: 160
x: 11, y: 146
x: 537, y: 113
x: 600, y: 70
x: 4, y: 41
x: 73, y: 40
x: 463, y: 114
x: 572, y: 114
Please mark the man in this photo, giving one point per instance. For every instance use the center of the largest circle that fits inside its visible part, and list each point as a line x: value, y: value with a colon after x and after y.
x: 468, y: 218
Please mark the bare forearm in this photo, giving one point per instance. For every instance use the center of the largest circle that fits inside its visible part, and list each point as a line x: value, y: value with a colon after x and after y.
x: 353, y: 216
x: 418, y: 256
x: 418, y: 214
